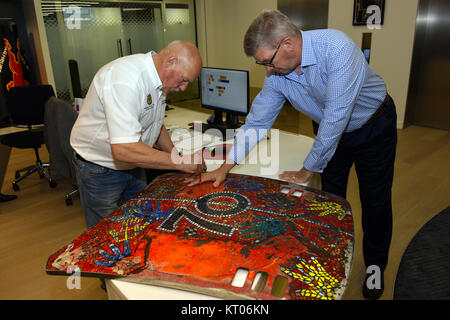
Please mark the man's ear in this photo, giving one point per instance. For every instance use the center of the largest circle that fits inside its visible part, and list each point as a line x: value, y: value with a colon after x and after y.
x: 289, y: 44
x: 171, y: 62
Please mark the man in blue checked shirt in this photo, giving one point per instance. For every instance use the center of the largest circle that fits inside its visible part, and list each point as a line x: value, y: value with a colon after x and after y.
x: 323, y: 74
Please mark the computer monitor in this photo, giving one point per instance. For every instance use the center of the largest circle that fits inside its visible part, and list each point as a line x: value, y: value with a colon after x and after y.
x: 225, y: 90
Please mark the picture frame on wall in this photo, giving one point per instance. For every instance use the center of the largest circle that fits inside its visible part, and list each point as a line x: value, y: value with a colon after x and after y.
x: 368, y: 11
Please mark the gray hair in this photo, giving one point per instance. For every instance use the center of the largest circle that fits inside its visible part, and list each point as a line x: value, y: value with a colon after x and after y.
x: 268, y: 29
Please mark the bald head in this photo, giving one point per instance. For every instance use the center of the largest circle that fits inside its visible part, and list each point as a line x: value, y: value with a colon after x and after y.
x: 186, y: 51
x: 177, y: 65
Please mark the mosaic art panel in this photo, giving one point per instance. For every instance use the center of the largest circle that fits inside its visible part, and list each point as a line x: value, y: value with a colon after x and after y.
x: 196, y: 238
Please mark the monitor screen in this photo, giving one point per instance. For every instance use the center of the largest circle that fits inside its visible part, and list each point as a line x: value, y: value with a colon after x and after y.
x: 225, y: 90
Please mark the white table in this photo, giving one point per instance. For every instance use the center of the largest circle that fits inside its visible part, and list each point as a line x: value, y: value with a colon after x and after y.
x: 283, y: 151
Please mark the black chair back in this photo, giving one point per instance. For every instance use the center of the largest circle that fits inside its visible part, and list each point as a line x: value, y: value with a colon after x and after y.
x: 26, y: 105
x: 60, y: 117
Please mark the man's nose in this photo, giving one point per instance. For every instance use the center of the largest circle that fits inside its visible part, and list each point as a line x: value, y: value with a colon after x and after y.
x: 184, y: 86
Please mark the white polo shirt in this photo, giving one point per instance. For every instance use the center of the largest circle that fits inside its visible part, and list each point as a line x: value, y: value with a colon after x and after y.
x: 124, y: 104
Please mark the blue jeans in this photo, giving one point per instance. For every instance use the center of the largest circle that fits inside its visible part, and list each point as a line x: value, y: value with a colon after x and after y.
x: 103, y: 189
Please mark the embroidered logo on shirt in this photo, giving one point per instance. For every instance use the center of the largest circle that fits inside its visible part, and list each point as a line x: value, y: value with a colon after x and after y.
x: 149, y: 102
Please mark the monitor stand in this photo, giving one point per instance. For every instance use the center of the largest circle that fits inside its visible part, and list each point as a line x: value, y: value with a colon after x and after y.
x: 218, y: 127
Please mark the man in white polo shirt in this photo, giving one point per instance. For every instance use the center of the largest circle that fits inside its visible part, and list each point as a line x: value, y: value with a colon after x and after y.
x: 120, y: 121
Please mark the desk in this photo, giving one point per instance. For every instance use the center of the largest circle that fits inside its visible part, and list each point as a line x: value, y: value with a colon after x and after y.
x: 292, y: 150
x: 281, y: 151
x: 5, y: 151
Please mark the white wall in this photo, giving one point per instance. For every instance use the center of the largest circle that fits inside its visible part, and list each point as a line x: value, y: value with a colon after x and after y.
x: 221, y: 29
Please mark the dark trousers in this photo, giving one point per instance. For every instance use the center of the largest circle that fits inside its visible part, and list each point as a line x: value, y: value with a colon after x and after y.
x: 372, y: 149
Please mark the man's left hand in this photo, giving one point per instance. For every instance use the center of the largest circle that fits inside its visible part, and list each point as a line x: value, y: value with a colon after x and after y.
x: 300, y: 177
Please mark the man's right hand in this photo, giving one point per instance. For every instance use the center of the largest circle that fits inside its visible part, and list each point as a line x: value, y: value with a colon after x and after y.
x: 187, y: 163
x: 217, y: 176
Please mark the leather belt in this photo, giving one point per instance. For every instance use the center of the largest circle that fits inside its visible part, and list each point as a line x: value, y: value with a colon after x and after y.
x: 82, y: 159
x: 380, y: 109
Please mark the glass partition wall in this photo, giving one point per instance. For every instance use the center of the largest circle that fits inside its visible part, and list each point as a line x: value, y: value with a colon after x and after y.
x: 85, y: 35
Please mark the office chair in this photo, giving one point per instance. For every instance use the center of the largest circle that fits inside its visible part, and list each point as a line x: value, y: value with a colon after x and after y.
x: 59, y: 119
x: 26, y: 106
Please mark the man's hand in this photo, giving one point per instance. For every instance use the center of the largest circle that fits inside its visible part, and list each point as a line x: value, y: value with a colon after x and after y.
x: 217, y: 176
x: 189, y: 164
x: 300, y: 177
x: 141, y: 155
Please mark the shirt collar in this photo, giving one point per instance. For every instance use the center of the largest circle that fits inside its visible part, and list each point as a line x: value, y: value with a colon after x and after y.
x: 158, y: 83
x: 308, y: 57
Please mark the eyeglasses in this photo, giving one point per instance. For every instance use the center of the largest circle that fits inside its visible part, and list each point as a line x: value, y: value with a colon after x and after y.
x: 269, y: 64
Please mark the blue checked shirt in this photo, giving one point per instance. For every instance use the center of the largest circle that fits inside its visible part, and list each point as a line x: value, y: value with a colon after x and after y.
x: 336, y: 88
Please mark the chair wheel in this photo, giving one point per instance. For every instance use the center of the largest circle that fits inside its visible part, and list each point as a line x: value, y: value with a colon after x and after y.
x: 52, y: 184
x: 68, y: 201
x: 15, y: 186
